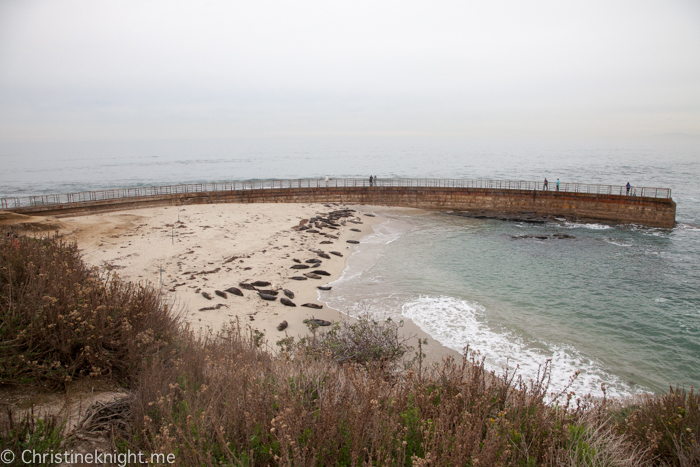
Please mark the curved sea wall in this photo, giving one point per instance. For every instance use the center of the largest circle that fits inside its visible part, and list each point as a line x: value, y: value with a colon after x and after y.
x: 650, y: 211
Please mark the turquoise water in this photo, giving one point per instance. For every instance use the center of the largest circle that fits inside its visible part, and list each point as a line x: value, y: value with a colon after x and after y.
x: 620, y: 304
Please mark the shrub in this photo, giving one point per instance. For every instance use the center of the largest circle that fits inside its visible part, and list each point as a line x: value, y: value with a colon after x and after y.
x: 667, y: 424
x: 59, y: 319
x: 364, y: 341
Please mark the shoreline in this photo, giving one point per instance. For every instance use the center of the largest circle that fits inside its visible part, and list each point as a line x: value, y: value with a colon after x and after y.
x: 207, y: 248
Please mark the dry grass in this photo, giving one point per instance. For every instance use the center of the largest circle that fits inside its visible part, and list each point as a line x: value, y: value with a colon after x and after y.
x: 224, y: 400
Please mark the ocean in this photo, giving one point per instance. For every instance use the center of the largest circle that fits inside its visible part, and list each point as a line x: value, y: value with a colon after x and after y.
x: 620, y: 304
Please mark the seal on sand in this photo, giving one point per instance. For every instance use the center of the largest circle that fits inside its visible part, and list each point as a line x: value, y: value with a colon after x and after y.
x: 235, y: 291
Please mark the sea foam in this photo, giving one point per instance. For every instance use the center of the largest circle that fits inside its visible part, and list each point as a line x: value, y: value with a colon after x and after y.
x: 457, y: 323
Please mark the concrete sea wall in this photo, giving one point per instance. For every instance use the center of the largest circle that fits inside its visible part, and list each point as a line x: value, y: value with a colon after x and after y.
x: 655, y: 212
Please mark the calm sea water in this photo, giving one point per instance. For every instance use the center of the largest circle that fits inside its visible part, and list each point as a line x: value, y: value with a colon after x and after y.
x: 620, y: 304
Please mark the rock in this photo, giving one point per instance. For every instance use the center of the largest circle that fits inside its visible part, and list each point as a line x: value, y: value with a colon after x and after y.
x: 221, y: 294
x: 300, y: 266
x: 260, y: 284
x: 324, y: 287
x: 282, y: 326
x: 235, y: 291
x: 352, y: 241
x: 320, y: 322
x: 321, y: 272
x: 311, y: 275
x: 288, y: 293
x: 337, y: 253
x: 206, y: 295
x: 267, y: 297
x: 298, y: 278
x: 313, y: 305
x: 287, y: 302
x: 243, y: 285
x: 269, y: 292
x: 356, y: 230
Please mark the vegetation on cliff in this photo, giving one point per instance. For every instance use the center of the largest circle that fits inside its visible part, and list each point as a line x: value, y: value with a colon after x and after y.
x: 356, y: 395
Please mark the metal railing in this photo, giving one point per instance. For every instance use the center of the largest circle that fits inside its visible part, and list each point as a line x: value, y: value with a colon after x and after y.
x: 143, y: 192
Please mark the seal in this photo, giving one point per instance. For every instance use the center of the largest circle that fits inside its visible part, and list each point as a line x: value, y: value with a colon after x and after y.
x: 313, y: 305
x: 235, y: 291
x: 267, y: 297
x: 324, y: 287
x: 352, y: 241
x: 282, y: 326
x: 287, y: 302
x: 320, y: 322
x: 298, y: 278
x: 206, y: 295
x: 260, y: 284
x: 321, y: 272
x: 288, y: 293
x: 221, y: 294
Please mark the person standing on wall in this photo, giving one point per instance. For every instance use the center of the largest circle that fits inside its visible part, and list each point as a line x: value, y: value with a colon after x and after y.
x: 545, y: 184
x: 370, y: 180
x: 628, y: 188
x: 557, y: 184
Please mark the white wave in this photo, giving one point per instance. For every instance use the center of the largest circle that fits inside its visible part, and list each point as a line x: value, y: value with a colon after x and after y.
x: 613, y: 242
x: 577, y: 225
x: 688, y: 227
x: 457, y: 323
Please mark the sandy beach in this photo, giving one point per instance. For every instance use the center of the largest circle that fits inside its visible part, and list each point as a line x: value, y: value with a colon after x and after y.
x: 191, y: 252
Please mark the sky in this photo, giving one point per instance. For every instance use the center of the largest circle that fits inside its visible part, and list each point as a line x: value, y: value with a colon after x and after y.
x: 91, y: 70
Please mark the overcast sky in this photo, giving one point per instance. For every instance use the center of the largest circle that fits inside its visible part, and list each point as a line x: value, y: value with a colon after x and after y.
x: 108, y: 69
